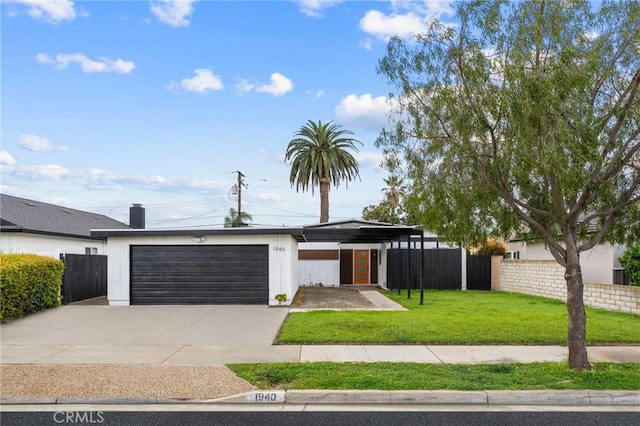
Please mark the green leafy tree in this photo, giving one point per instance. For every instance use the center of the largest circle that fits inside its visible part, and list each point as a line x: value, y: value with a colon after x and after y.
x: 231, y: 219
x: 524, y: 118
x: 631, y: 262
x: 492, y: 247
x: 319, y: 156
x: 382, y: 212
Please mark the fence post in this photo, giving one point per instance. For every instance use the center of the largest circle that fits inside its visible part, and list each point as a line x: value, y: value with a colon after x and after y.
x: 61, y: 294
x: 409, y: 267
x: 422, y: 267
x: 463, y: 277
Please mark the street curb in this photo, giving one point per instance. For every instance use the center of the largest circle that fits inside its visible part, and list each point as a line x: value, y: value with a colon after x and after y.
x: 327, y: 397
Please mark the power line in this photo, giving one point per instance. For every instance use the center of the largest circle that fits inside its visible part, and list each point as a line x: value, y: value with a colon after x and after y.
x: 192, y: 217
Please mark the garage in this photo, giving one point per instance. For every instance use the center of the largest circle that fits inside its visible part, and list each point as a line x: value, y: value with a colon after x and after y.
x: 199, y: 274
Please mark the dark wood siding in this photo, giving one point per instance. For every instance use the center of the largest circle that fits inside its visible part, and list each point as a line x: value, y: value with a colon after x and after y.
x: 203, y: 274
x: 346, y: 266
x: 318, y: 255
x: 374, y: 266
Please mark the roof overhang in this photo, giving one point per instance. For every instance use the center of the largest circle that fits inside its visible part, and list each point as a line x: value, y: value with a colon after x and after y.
x: 107, y: 233
x: 19, y: 230
x: 362, y: 234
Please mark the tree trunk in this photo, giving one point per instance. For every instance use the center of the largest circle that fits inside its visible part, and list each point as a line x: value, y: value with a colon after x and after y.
x: 324, y: 200
x: 576, y: 341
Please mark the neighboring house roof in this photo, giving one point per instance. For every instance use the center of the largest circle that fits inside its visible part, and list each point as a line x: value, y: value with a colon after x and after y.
x: 350, y: 223
x: 23, y: 215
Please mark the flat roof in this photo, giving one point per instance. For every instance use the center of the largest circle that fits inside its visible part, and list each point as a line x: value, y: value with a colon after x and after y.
x: 362, y: 234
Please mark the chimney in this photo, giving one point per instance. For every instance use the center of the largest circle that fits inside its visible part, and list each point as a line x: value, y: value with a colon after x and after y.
x: 136, y: 216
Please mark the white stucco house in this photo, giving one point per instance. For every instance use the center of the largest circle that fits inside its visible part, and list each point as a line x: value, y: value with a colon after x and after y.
x: 244, y: 265
x: 597, y: 264
x: 29, y: 226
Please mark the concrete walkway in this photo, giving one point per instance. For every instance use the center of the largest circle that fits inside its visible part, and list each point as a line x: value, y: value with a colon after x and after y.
x: 205, y: 355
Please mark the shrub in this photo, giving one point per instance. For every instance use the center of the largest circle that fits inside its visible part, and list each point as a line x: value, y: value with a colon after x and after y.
x: 631, y: 262
x: 492, y: 248
x: 28, y: 283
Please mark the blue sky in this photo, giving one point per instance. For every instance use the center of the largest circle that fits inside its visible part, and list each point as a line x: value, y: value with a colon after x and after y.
x: 109, y: 103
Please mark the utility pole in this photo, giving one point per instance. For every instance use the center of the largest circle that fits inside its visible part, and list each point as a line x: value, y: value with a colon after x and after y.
x: 240, y: 183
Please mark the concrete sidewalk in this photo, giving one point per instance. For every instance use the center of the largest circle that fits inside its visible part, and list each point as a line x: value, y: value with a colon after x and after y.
x: 206, y: 355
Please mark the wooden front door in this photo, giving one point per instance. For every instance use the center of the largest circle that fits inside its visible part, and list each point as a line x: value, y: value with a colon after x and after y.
x: 361, y: 266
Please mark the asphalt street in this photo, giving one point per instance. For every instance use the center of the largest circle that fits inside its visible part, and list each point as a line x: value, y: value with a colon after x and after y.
x: 345, y: 416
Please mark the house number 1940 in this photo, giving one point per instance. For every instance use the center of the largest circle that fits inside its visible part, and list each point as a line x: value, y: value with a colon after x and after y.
x: 278, y: 248
x: 277, y: 396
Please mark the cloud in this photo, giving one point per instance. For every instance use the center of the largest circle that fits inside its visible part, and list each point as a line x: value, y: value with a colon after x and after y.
x: 98, y: 179
x: 243, y: 85
x: 384, y: 26
x: 365, y: 111
x: 175, y: 13
x: 367, y: 44
x: 266, y: 196
x: 368, y: 159
x: 44, y: 172
x: 315, y: 8
x: 63, y: 60
x: 316, y: 94
x: 6, y: 158
x: 37, y: 143
x: 50, y: 11
x: 278, y: 87
x: 204, y: 81
x: 407, y: 19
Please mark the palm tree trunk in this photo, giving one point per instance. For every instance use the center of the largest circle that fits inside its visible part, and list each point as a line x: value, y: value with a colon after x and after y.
x: 576, y: 341
x: 324, y: 200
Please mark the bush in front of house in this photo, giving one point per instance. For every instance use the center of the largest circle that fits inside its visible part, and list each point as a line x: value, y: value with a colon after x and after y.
x: 631, y: 262
x: 28, y: 283
x: 492, y: 248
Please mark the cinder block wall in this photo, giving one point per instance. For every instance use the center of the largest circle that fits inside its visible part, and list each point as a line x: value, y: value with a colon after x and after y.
x: 546, y: 278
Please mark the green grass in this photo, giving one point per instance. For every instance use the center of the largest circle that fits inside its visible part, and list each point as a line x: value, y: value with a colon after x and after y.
x: 458, y: 318
x: 412, y: 376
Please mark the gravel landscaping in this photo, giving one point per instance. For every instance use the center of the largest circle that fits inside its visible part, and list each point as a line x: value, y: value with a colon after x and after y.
x: 120, y: 381
x: 330, y: 298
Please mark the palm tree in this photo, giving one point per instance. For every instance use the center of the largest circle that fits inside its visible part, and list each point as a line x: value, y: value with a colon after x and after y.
x: 319, y: 157
x: 394, y: 192
x: 231, y: 220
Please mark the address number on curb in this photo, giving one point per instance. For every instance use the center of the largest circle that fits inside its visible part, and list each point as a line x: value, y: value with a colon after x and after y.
x: 265, y: 397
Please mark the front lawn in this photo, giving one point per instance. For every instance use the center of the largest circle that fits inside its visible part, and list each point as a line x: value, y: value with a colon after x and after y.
x: 458, y: 318
x: 405, y: 376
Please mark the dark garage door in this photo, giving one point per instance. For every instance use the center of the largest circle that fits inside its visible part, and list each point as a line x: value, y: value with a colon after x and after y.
x: 203, y: 274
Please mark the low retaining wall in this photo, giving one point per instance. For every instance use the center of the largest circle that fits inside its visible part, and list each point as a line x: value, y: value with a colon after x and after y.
x: 546, y: 278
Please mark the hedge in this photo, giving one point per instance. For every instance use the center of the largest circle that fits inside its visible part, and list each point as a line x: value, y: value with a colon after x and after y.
x: 28, y: 283
x: 631, y: 263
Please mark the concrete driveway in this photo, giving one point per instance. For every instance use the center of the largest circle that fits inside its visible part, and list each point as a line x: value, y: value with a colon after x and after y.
x: 225, y: 325
x: 143, y: 334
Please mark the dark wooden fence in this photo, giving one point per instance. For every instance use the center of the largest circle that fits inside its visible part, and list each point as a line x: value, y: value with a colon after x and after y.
x: 85, y: 277
x: 478, y: 272
x: 442, y: 270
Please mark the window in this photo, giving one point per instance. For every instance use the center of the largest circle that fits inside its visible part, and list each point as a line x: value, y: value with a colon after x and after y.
x: 513, y: 255
x: 91, y: 250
